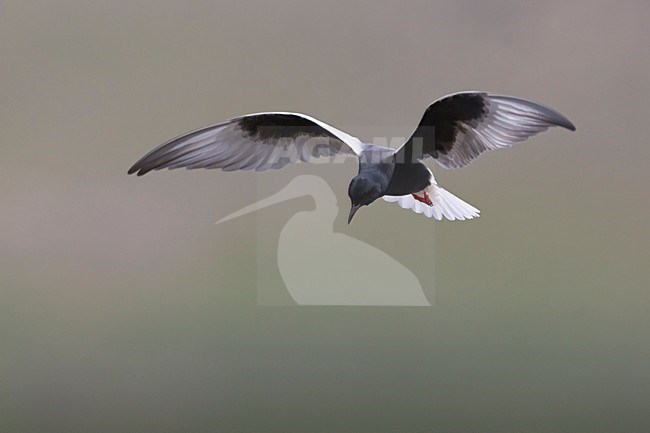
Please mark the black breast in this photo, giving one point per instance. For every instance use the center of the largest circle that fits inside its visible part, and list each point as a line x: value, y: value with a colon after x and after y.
x: 409, y: 178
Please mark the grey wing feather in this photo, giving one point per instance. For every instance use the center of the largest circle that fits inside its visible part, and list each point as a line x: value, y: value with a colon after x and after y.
x: 508, y: 120
x: 259, y: 141
x: 459, y: 127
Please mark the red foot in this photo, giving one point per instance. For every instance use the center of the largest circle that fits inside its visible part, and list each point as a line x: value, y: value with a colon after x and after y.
x: 425, y: 199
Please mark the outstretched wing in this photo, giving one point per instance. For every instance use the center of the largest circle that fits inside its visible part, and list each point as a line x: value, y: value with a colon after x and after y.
x: 259, y: 141
x: 457, y: 128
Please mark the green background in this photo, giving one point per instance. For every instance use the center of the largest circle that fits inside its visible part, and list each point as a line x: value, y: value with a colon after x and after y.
x: 124, y: 309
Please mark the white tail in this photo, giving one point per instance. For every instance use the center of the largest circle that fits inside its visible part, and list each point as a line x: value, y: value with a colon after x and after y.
x: 444, y: 204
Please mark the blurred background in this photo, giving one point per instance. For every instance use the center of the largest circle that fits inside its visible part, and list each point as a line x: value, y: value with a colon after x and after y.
x: 123, y: 308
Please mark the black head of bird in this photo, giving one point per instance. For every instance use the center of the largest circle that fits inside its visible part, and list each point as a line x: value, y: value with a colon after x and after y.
x: 363, y: 190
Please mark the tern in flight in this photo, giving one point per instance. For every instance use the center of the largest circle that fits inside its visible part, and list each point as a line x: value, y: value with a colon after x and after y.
x: 454, y: 130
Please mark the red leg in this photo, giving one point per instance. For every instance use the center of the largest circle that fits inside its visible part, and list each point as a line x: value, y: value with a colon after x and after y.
x: 425, y: 199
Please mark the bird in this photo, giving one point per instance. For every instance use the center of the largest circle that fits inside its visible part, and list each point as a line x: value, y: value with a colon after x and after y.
x: 453, y: 131
x: 306, y: 271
